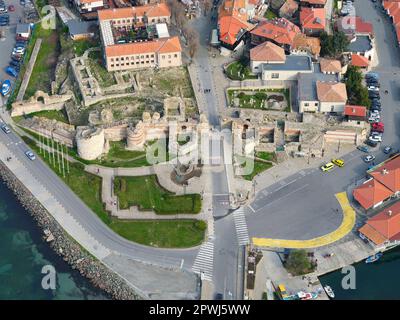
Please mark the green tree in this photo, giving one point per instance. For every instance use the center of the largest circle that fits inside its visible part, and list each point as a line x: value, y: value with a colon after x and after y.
x: 356, y: 91
x: 333, y: 45
x: 298, y: 263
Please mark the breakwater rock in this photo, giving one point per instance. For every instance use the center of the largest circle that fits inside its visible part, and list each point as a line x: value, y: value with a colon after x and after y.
x: 75, y: 255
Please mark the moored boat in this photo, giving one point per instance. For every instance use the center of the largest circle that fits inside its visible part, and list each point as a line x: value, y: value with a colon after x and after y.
x: 374, y: 258
x: 329, y: 292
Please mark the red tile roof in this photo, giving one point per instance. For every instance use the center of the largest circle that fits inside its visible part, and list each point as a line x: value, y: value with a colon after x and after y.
x: 151, y: 10
x: 359, y: 61
x: 371, y: 193
x: 280, y: 30
x: 268, y: 51
x: 313, y: 18
x: 384, y: 226
x: 165, y: 45
x: 229, y: 29
x: 355, y: 111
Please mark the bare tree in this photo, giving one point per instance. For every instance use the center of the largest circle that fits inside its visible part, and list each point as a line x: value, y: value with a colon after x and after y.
x: 207, y: 5
x: 193, y: 41
x: 178, y: 13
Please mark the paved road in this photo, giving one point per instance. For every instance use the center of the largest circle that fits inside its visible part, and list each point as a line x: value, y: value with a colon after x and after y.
x: 91, y: 223
x: 303, y: 205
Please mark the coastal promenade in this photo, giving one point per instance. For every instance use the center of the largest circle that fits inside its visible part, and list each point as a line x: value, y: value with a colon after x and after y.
x: 164, y: 273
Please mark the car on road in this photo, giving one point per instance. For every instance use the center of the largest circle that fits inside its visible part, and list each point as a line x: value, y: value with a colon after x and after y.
x: 5, y: 128
x: 363, y: 148
x: 30, y: 155
x: 327, y: 167
x: 369, y: 158
x: 5, y: 88
x: 11, y: 71
x: 387, y: 149
x: 338, y: 162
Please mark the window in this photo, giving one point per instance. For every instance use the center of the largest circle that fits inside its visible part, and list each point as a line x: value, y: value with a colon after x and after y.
x: 316, y: 104
x: 306, y: 104
x: 175, y: 55
x: 163, y: 57
x: 275, y: 75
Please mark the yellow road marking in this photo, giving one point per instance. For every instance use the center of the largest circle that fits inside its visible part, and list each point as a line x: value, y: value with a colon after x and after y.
x: 349, y: 219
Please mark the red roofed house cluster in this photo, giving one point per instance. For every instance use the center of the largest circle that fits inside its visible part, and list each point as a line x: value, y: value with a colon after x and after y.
x: 159, y: 51
x: 384, y: 183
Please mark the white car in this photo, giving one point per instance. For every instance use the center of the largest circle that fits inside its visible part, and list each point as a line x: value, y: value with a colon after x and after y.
x: 30, y: 155
x: 19, y: 50
x: 372, y: 88
x: 375, y: 138
x: 369, y: 158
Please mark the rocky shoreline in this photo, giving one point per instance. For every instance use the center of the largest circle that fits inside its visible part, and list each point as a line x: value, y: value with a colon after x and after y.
x: 76, y: 256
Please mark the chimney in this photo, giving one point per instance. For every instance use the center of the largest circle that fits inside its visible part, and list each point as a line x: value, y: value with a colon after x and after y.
x: 389, y: 213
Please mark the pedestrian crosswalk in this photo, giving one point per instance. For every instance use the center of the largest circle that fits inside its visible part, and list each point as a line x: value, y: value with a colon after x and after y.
x: 204, y: 262
x: 241, y: 227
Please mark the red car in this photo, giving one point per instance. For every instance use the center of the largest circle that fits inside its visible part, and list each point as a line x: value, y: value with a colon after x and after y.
x: 11, y: 8
x: 378, y: 127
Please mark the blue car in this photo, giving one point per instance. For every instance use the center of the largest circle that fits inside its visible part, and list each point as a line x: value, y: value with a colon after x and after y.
x: 363, y: 148
x: 6, y: 88
x: 11, y: 71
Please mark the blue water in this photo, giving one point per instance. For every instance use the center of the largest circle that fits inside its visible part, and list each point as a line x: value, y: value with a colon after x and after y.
x: 374, y: 281
x: 23, y: 254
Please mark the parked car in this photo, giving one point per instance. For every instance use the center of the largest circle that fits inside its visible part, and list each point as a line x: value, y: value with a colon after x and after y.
x: 378, y: 127
x: 371, y: 143
x: 372, y: 75
x: 5, y: 88
x: 369, y: 158
x: 11, y: 71
x: 363, y: 148
x: 18, y: 50
x: 373, y: 88
x: 375, y: 138
x: 387, y: 149
x: 14, y: 63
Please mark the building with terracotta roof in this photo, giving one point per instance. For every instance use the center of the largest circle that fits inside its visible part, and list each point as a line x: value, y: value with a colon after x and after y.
x: 384, y: 183
x: 137, y: 53
x: 332, y: 96
x: 313, y: 3
x: 279, y: 30
x: 85, y: 6
x: 130, y: 17
x: 355, y: 114
x: 266, y: 52
x: 232, y: 23
x: 330, y: 66
x: 383, y: 229
x: 392, y: 8
x: 160, y: 53
x: 303, y: 44
x: 312, y: 20
x: 359, y: 61
x: 353, y: 26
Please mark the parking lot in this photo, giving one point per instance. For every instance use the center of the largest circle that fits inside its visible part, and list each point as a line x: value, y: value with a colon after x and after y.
x: 7, y: 43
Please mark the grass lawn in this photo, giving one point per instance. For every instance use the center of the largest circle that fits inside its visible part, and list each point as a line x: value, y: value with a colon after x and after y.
x: 50, y: 114
x: 259, y: 166
x: 81, y: 46
x: 269, y: 14
x: 237, y: 71
x: 146, y: 193
x: 164, y: 233
x: 256, y: 98
x: 46, y: 61
x: 105, y: 78
x: 268, y: 156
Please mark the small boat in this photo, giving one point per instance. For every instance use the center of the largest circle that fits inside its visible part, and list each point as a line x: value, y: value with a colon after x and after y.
x: 374, y: 258
x: 6, y: 87
x: 304, y: 295
x: 329, y: 292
